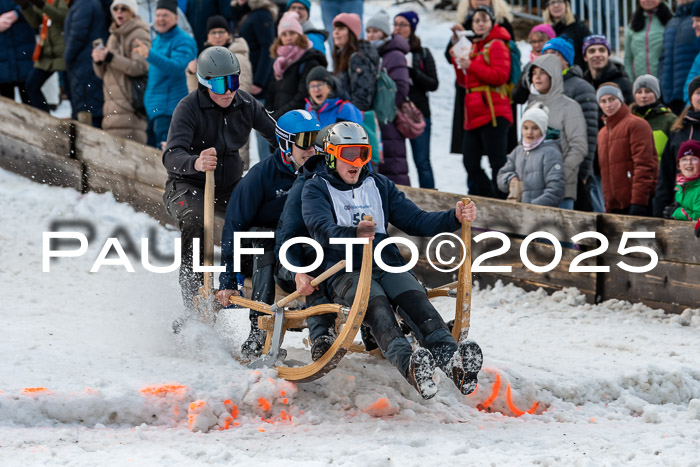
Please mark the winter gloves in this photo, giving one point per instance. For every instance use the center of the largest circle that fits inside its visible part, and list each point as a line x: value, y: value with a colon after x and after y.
x: 515, y: 192
x: 668, y: 210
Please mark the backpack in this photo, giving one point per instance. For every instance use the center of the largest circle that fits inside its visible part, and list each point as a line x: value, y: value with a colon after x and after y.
x: 515, y: 64
x: 384, y: 104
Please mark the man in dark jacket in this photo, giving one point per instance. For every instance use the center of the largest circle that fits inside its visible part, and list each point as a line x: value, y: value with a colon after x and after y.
x: 207, y: 129
x: 333, y: 206
x: 596, y: 52
x: 256, y: 204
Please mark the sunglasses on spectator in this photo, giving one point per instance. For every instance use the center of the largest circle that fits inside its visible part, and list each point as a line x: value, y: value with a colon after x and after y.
x: 220, y: 84
x: 356, y: 155
x: 120, y: 8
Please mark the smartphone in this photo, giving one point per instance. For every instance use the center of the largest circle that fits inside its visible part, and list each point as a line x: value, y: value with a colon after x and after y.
x: 98, y: 43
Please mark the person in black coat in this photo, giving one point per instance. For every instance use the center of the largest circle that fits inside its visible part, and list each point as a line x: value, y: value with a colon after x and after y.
x: 295, y: 57
x: 84, y: 24
x: 596, y: 52
x: 424, y: 79
x: 16, y: 47
x: 206, y: 132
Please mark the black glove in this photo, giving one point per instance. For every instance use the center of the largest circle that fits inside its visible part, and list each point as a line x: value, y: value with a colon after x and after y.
x: 38, y: 3
x: 638, y: 210
x: 22, y: 3
x: 668, y: 210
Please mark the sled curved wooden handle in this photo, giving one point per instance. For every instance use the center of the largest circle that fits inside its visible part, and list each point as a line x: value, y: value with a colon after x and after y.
x: 460, y: 330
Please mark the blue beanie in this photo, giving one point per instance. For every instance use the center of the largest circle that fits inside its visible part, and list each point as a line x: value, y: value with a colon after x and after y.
x: 412, y: 18
x: 306, y: 3
x: 696, y: 9
x: 563, y: 45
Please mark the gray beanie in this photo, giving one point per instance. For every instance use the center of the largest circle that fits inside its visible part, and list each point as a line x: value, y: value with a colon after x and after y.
x: 380, y: 21
x: 539, y: 115
x: 650, y: 82
x: 609, y: 88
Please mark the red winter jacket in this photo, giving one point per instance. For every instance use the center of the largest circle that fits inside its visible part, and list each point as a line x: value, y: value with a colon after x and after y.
x: 490, y: 68
x: 628, y: 162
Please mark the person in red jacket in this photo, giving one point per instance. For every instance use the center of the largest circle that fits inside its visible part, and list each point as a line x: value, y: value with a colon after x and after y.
x: 626, y: 154
x: 487, y: 111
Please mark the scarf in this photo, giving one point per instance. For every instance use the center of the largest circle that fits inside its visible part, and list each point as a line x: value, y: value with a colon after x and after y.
x: 682, y: 179
x: 534, y: 144
x: 286, y: 56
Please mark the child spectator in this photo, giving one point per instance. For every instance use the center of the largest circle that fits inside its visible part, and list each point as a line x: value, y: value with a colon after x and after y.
x: 323, y: 101
x: 686, y: 127
x: 534, y: 171
x: 628, y: 161
x: 565, y: 115
x: 687, y: 204
x: 647, y: 105
x: 538, y: 36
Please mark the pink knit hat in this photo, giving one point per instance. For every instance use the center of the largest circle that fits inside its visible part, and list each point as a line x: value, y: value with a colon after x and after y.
x: 352, y: 21
x: 289, y: 22
x: 546, y: 29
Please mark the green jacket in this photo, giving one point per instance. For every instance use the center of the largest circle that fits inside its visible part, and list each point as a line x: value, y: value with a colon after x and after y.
x: 660, y: 119
x: 51, y: 58
x: 643, y: 48
x: 688, y: 196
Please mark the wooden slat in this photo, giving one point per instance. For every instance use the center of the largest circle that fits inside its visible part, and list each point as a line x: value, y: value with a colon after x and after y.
x: 668, y: 283
x: 35, y: 128
x: 119, y: 157
x: 504, y: 216
x: 674, y: 241
x: 37, y: 164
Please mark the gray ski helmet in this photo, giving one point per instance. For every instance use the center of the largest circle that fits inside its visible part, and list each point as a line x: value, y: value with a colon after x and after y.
x: 342, y: 133
x: 217, y: 61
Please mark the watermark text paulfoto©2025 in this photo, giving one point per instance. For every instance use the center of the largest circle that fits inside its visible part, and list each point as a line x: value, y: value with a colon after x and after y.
x: 448, y: 241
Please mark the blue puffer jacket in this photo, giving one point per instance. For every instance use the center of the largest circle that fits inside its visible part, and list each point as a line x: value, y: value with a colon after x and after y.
x: 320, y: 218
x: 256, y: 201
x: 84, y: 23
x: 167, y: 83
x: 335, y: 110
x: 680, y: 48
x: 16, y: 47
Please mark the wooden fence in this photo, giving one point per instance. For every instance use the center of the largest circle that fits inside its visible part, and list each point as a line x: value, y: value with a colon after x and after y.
x: 70, y: 154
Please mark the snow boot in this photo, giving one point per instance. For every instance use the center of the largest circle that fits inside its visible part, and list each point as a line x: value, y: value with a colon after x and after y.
x: 321, y: 346
x: 464, y: 366
x: 420, y: 373
x: 254, y: 344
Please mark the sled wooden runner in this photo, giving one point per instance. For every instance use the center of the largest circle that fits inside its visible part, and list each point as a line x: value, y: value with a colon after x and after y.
x: 460, y: 330
x: 353, y: 320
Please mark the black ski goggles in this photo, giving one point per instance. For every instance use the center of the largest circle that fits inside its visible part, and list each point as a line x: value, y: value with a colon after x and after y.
x: 305, y: 140
x: 221, y: 84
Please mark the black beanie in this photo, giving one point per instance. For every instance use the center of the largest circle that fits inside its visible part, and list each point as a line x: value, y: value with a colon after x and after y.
x: 217, y: 22
x: 319, y: 73
x: 167, y: 5
x: 694, y: 84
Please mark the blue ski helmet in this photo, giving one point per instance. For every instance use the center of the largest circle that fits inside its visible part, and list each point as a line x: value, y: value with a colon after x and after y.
x: 296, y: 127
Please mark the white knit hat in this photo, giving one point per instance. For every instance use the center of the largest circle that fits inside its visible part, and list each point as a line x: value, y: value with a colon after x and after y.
x: 131, y: 4
x: 539, y: 115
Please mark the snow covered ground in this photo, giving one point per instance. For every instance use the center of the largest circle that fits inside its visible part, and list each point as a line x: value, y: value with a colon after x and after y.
x: 92, y: 375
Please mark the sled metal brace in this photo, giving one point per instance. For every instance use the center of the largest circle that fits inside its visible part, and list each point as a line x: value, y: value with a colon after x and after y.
x: 275, y: 352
